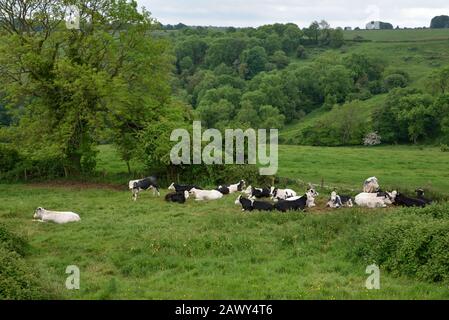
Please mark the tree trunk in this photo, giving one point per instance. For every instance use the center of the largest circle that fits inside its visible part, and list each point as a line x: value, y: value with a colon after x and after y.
x: 129, y: 167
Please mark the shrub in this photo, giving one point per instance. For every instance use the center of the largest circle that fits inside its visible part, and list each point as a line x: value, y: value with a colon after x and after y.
x: 12, y: 242
x: 395, y: 81
x: 444, y: 148
x: 9, y: 157
x: 17, y: 279
x: 413, y: 243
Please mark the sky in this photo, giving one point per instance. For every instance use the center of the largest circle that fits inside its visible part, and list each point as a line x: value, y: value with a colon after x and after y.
x: 253, y: 13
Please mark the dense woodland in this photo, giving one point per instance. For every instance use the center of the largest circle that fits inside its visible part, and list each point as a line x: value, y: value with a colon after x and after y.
x: 124, y: 79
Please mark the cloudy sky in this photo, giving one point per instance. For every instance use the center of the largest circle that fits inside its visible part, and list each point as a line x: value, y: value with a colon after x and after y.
x: 241, y: 13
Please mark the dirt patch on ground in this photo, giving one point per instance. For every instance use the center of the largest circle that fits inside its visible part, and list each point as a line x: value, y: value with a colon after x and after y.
x: 79, y: 185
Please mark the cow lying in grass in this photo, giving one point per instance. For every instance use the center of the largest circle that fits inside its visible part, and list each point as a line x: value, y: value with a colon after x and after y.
x: 257, y: 193
x: 371, y: 185
x: 420, y: 195
x: 338, y: 201
x: 137, y: 186
x: 281, y: 194
x: 297, y: 203
x: 250, y: 205
x: 223, y: 189
x: 375, y: 200
x: 181, y: 188
x: 404, y: 201
x: 179, y: 197
x: 205, y: 194
x: 43, y: 215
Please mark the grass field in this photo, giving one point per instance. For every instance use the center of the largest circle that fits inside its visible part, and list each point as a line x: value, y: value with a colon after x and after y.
x: 154, y: 250
x: 211, y: 250
x: 399, y: 35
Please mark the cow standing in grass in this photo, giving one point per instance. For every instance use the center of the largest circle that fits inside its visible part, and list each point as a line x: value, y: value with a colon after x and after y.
x: 137, y: 186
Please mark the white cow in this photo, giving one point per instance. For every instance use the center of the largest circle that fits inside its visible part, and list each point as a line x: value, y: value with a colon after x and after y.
x: 43, y: 215
x: 373, y: 200
x: 205, y: 194
x: 371, y: 185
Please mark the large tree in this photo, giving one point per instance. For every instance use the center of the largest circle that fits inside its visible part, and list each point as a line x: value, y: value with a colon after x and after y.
x: 64, y: 86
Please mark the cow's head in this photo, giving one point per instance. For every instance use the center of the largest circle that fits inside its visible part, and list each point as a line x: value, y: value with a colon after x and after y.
x: 241, y: 185
x: 313, y: 193
x: 38, y: 213
x: 186, y: 194
x: 172, y: 186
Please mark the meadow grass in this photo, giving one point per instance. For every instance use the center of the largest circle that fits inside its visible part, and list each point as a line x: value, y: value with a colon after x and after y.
x: 401, y: 167
x: 150, y: 249
x: 398, y: 35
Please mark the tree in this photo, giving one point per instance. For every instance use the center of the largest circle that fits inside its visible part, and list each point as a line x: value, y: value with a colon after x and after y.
x: 313, y: 32
x: 440, y: 22
x: 438, y: 81
x: 65, y: 86
x: 280, y: 59
x: 254, y: 60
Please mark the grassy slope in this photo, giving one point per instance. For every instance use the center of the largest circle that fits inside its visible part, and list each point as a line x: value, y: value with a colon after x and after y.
x: 425, y: 52
x: 153, y: 250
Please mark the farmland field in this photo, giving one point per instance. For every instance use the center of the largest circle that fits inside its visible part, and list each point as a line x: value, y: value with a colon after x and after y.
x: 154, y: 250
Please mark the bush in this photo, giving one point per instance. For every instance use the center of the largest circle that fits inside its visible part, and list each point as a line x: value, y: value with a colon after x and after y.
x: 9, y: 157
x: 395, y: 81
x: 444, y: 148
x: 18, y: 281
x: 412, y: 243
x: 12, y: 242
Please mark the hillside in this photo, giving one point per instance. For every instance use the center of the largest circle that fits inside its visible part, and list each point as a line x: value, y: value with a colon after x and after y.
x: 418, y: 52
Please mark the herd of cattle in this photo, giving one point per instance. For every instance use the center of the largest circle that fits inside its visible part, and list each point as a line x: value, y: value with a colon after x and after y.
x: 250, y: 198
x: 282, y: 199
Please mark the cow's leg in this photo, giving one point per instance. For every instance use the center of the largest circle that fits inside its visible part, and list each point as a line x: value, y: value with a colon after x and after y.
x: 135, y: 194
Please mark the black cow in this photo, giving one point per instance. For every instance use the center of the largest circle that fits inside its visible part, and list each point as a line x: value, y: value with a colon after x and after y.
x: 181, y: 188
x: 179, y: 197
x: 250, y: 205
x: 404, y: 201
x: 287, y: 205
x: 420, y: 195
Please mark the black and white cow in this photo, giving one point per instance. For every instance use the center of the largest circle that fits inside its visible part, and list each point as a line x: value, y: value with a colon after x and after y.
x: 137, y: 186
x: 420, y: 195
x: 250, y: 205
x: 371, y: 185
x: 181, y: 188
x: 223, y: 189
x: 258, y: 193
x: 179, y: 197
x: 338, y: 201
x: 404, y: 201
x: 292, y: 204
x: 282, y: 194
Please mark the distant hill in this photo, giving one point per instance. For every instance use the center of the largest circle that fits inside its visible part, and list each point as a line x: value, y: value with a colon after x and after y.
x: 419, y: 52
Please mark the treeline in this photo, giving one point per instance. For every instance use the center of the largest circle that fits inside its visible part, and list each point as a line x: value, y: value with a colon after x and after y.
x: 406, y: 116
x: 251, y: 78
